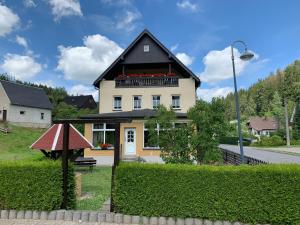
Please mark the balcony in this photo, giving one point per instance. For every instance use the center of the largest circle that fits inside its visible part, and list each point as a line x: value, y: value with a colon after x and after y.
x: 146, y: 80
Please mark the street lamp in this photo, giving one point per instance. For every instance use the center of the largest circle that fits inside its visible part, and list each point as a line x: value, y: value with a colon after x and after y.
x: 245, y: 56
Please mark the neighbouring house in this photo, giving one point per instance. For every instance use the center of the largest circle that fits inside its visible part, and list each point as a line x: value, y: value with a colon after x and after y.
x: 143, y: 77
x: 24, y: 105
x: 81, y: 101
x: 262, y: 126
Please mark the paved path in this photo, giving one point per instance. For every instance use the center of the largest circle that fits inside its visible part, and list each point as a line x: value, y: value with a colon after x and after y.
x: 46, y: 222
x: 264, y: 155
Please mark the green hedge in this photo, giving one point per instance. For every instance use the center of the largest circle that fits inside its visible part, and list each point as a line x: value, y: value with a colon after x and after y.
x: 250, y: 194
x: 232, y: 141
x: 33, y: 185
x: 265, y: 141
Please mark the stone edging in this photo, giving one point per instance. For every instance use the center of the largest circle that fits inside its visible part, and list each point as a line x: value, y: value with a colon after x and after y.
x: 95, y: 216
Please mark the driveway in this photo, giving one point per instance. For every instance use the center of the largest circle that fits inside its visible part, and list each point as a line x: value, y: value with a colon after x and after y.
x: 264, y: 155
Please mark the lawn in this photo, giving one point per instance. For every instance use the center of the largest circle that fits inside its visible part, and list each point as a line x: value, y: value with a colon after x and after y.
x: 95, y: 187
x: 15, y: 145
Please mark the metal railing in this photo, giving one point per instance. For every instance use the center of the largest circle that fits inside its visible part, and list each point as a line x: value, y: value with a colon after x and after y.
x: 147, y: 82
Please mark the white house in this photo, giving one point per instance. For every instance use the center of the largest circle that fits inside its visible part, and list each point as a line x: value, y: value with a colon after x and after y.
x: 24, y: 105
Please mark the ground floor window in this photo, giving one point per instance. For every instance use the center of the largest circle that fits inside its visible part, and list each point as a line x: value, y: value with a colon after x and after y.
x: 159, y: 130
x: 103, y: 136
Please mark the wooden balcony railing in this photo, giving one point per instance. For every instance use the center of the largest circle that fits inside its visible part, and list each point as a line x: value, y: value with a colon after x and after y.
x: 169, y: 81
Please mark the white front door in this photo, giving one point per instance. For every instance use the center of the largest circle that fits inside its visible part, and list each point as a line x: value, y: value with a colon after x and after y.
x: 130, y: 141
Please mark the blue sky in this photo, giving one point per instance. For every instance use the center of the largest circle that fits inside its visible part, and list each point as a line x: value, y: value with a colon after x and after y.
x: 70, y: 42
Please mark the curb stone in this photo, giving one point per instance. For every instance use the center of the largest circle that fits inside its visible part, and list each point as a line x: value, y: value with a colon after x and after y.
x: 107, y: 218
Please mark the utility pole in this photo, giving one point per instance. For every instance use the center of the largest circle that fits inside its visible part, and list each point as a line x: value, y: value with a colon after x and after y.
x: 288, y: 142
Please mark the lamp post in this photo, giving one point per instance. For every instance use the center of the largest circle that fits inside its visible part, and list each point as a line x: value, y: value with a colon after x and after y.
x: 245, y: 56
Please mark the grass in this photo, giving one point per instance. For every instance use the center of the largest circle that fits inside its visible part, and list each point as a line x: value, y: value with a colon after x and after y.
x: 15, y: 145
x: 95, y: 187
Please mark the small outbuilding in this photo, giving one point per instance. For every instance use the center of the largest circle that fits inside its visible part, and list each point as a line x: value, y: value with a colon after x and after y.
x: 262, y: 126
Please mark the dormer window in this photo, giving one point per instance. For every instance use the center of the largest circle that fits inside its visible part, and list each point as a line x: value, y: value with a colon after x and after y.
x: 146, y: 48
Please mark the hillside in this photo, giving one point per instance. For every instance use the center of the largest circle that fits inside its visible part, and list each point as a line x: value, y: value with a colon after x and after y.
x: 15, y: 145
x: 266, y: 97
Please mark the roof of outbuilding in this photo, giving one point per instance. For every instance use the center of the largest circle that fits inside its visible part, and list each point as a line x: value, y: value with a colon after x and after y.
x: 78, y: 101
x: 24, y: 95
x: 170, y: 54
x: 135, y: 114
x: 263, y: 123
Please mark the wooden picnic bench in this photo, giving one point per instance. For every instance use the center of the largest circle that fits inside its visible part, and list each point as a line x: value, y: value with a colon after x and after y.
x: 82, y: 161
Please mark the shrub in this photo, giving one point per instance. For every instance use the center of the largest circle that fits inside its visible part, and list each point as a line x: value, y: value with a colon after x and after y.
x: 34, y: 185
x: 274, y: 140
x: 295, y: 142
x: 250, y: 194
x: 232, y: 141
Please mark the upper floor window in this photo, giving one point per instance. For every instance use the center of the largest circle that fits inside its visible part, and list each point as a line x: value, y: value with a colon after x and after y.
x: 146, y: 48
x: 42, y: 116
x: 137, y: 102
x: 175, y: 101
x: 155, y: 101
x: 117, y: 103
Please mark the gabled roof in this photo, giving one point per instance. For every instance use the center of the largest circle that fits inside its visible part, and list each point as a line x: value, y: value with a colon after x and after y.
x: 130, y: 47
x: 52, y: 139
x: 24, y: 95
x: 134, y: 114
x: 80, y: 101
x: 263, y: 123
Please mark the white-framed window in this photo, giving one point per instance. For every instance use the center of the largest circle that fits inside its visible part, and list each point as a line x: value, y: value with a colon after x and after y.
x: 103, y: 134
x: 42, y: 116
x: 117, y: 103
x: 146, y: 48
x: 22, y: 112
x: 176, y: 101
x: 137, y: 102
x: 158, y: 129
x: 155, y: 101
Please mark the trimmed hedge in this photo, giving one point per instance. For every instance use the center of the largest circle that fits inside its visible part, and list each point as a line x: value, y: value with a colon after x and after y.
x: 249, y: 194
x: 34, y: 185
x: 233, y: 141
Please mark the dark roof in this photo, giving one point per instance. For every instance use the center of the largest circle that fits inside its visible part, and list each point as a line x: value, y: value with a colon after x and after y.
x: 135, y: 114
x: 168, y: 52
x: 24, y: 95
x: 263, y: 123
x: 81, y: 101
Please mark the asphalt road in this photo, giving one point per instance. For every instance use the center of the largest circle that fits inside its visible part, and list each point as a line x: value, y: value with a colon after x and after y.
x: 261, y: 154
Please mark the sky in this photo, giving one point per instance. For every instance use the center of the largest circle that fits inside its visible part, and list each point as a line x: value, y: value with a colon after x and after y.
x: 69, y: 43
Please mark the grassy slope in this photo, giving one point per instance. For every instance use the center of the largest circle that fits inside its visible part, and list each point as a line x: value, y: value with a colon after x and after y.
x: 95, y: 184
x: 15, y: 145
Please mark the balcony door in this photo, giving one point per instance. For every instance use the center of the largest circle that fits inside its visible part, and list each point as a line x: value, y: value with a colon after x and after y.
x: 130, y: 141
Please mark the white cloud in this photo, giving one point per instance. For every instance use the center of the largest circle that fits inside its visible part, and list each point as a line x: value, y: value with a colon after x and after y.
x: 29, y: 3
x: 84, y: 90
x: 8, y: 20
x: 21, y: 41
x: 86, y: 63
x: 127, y: 21
x: 174, y: 47
x: 209, y: 93
x: 20, y: 66
x: 218, y: 65
x: 48, y: 83
x: 61, y: 8
x: 187, y: 5
x: 184, y: 58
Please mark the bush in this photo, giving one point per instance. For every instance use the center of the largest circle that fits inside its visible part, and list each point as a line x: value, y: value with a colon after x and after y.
x: 295, y: 142
x: 249, y: 194
x: 233, y: 141
x: 34, y: 185
x: 274, y: 140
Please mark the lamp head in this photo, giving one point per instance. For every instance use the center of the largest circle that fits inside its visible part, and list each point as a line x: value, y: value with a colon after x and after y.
x: 246, y: 55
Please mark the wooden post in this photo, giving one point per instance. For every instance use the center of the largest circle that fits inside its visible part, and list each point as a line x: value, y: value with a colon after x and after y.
x: 115, y: 164
x: 288, y: 142
x: 64, y: 162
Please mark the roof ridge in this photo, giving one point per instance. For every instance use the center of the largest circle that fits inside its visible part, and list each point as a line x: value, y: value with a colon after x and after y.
x: 20, y: 84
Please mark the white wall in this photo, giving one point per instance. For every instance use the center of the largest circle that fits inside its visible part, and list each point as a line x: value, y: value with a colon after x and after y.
x: 4, y: 101
x: 31, y: 118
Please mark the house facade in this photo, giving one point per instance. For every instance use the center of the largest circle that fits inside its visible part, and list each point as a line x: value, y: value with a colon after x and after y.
x: 24, y: 105
x: 143, y: 77
x: 262, y: 126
